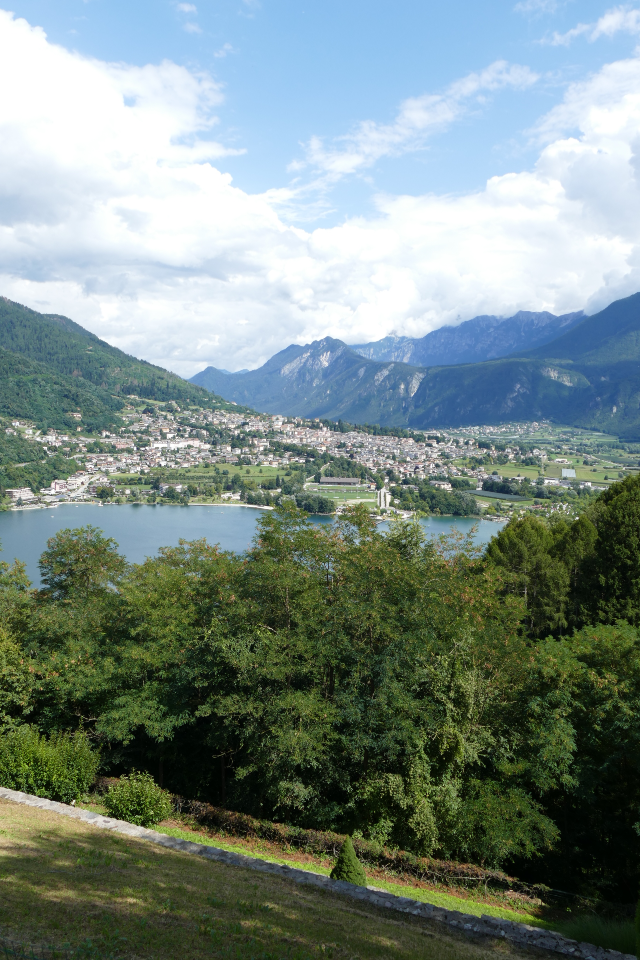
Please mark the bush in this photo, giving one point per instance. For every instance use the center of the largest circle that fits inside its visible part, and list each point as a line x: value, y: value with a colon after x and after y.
x: 60, y: 768
x: 138, y: 799
x: 601, y: 932
x: 348, y: 867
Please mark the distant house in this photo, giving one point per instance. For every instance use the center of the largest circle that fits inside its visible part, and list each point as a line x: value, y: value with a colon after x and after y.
x: 440, y: 484
x: 21, y: 493
x: 178, y: 487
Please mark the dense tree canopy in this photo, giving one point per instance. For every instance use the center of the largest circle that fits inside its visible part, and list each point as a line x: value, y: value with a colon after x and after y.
x: 337, y: 676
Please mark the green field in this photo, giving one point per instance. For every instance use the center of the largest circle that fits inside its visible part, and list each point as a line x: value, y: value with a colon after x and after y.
x: 342, y: 494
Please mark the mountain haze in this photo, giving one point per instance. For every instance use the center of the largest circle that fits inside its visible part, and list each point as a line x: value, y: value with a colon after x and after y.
x: 322, y: 379
x: 483, y: 338
x: 589, y: 377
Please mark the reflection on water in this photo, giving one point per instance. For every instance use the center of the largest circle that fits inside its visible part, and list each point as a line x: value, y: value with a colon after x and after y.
x: 141, y: 529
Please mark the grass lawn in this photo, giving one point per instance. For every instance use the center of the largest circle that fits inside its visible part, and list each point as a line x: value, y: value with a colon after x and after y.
x: 62, y: 881
x: 331, y: 493
x: 375, y: 877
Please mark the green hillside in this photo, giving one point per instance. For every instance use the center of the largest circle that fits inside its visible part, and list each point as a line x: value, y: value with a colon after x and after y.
x: 609, y: 337
x: 33, y: 391
x: 69, y: 350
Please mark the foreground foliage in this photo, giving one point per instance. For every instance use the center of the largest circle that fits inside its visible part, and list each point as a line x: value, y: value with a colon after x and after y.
x: 379, y: 685
x: 60, y: 768
x: 138, y: 799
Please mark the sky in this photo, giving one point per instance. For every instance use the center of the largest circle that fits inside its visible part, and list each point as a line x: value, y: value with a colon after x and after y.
x: 206, y: 183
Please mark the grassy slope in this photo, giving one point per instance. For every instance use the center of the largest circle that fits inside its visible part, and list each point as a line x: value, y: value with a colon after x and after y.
x: 69, y: 350
x: 65, y: 881
x: 423, y: 893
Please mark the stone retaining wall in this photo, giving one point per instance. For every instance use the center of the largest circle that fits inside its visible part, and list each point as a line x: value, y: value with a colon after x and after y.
x: 520, y: 933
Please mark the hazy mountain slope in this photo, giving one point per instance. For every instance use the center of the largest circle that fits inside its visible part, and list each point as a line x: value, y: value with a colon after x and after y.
x: 68, y: 349
x: 327, y: 379
x: 322, y: 379
x: 589, y: 377
x: 483, y: 338
x: 611, y: 336
x: 32, y: 391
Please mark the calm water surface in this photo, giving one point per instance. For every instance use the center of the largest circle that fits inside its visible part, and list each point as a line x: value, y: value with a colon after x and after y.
x: 141, y: 529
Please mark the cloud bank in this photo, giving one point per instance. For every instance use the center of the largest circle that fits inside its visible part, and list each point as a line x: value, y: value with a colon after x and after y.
x: 616, y: 20
x: 417, y: 119
x: 113, y: 211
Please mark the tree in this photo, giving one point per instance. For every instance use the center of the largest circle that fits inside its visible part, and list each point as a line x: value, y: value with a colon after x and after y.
x: 80, y: 563
x: 347, y: 867
x: 588, y: 689
x: 525, y: 553
x: 16, y: 682
x: 610, y: 589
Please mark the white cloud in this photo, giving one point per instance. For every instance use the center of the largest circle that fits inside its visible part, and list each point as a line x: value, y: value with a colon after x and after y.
x: 112, y: 212
x: 191, y: 27
x: 417, y: 119
x: 186, y: 8
x: 224, y: 51
x: 616, y: 20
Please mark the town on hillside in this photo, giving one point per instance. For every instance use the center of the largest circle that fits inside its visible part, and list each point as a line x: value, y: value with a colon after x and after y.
x: 164, y: 451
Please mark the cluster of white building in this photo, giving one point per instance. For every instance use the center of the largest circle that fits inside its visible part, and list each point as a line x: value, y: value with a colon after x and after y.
x: 182, y: 440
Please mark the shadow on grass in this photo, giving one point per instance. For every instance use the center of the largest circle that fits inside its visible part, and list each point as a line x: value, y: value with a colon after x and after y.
x: 16, y: 950
x: 109, y: 896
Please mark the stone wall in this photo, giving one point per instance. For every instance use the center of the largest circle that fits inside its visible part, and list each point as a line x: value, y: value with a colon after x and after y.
x: 520, y: 933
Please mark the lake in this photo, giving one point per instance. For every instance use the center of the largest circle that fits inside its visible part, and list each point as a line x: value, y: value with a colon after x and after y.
x: 141, y: 529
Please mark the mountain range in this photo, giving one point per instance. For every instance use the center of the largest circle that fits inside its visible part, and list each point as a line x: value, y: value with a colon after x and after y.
x: 588, y: 376
x: 483, y: 338
x: 50, y: 366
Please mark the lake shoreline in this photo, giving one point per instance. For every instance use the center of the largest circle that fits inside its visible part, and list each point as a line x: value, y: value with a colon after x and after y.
x: 248, y: 506
x: 141, y: 533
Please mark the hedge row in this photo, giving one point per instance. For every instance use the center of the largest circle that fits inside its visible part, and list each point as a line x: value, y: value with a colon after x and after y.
x: 326, y: 842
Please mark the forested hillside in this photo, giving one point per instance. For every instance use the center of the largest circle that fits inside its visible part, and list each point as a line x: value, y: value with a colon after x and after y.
x: 35, y: 392
x: 482, y: 709
x: 69, y: 350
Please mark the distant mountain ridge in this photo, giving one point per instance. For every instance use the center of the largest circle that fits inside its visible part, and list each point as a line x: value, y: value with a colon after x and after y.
x: 589, y: 376
x: 483, y: 338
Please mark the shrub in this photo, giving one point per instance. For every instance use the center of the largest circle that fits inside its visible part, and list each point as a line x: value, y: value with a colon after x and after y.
x: 638, y: 930
x: 138, y: 799
x: 60, y: 768
x: 601, y: 932
x: 348, y: 867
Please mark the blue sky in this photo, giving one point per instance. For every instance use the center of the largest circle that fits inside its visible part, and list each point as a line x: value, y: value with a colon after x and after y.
x: 294, y: 70
x: 371, y: 167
